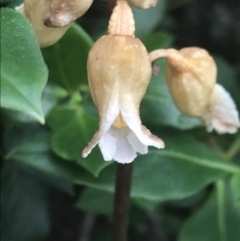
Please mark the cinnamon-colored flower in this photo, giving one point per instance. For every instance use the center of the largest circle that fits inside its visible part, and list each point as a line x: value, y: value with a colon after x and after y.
x: 191, y: 77
x: 119, y: 71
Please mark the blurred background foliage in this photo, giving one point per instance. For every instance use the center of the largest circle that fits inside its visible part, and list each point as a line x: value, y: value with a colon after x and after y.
x: 190, y: 191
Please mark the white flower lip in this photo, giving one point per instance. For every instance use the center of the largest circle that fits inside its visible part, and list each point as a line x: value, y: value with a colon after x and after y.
x: 221, y: 115
x: 122, y: 144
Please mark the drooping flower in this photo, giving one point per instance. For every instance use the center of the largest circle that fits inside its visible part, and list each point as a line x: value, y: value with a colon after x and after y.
x: 36, y: 11
x: 191, y: 78
x: 62, y: 12
x: 51, y: 19
x: 119, y: 71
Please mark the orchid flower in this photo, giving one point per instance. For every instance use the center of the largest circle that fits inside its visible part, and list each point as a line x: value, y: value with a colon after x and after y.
x: 119, y: 71
x: 191, y: 78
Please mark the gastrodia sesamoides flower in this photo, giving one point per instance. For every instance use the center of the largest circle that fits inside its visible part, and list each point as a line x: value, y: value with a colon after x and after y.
x: 119, y: 71
x: 36, y: 11
x: 62, y: 12
x: 191, y: 78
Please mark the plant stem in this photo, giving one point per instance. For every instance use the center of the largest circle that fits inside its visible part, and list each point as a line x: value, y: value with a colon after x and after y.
x: 121, y: 202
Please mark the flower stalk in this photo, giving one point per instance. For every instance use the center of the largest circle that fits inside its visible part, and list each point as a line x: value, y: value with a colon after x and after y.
x: 121, y: 201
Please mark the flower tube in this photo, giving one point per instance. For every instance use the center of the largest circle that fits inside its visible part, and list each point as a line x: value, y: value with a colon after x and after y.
x: 191, y: 78
x: 119, y: 71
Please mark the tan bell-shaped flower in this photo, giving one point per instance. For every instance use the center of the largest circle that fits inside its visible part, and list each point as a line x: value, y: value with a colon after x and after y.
x: 63, y: 12
x: 36, y: 11
x: 191, y: 78
x: 143, y: 4
x: 119, y: 71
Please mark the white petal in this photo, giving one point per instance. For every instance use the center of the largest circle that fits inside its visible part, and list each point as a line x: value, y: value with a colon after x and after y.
x: 106, y: 120
x: 222, y: 114
x: 114, y: 145
x: 121, y: 145
x: 133, y: 121
x: 108, y: 145
x: 136, y: 144
x: 124, y: 152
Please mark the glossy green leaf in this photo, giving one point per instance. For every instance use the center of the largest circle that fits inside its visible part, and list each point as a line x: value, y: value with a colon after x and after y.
x: 156, y: 177
x: 235, y: 186
x: 50, y: 97
x: 185, y: 147
x: 23, y: 72
x: 73, y: 129
x: 147, y: 19
x: 36, y: 152
x: 158, y: 108
x: 215, y: 221
x: 146, y: 204
x: 66, y: 60
x: 24, y: 205
x: 95, y: 201
x: 158, y: 40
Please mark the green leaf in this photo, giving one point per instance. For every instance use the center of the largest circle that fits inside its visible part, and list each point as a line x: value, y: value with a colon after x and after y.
x: 158, y: 108
x: 73, y: 129
x: 147, y: 19
x: 215, y: 221
x: 66, y: 60
x: 185, y: 147
x: 146, y: 204
x: 101, y: 202
x: 24, y: 205
x: 23, y: 72
x: 158, y: 40
x: 50, y: 97
x: 156, y: 177
x: 95, y: 201
x: 235, y: 186
x: 36, y: 152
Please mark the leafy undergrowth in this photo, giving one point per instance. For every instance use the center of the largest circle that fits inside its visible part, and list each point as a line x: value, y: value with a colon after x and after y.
x: 189, y: 191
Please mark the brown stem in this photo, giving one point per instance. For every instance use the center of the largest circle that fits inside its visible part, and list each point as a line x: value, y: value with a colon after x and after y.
x: 121, y: 202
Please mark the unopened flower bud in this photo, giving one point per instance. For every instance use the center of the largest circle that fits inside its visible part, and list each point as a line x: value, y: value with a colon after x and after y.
x: 63, y: 12
x: 119, y: 71
x: 143, y: 4
x: 191, y: 79
x: 35, y: 11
